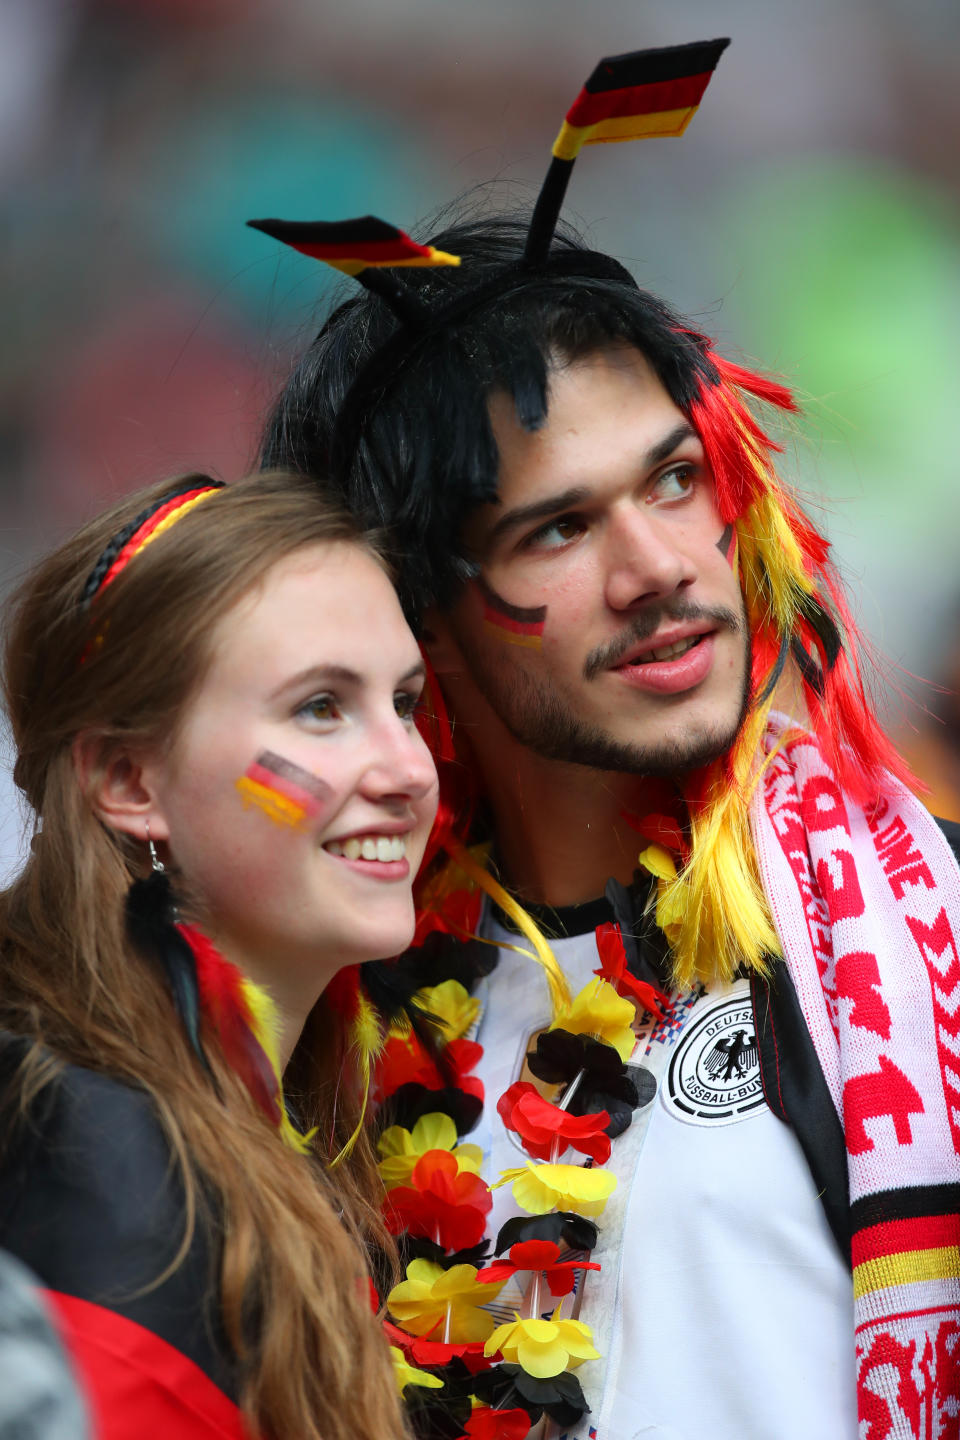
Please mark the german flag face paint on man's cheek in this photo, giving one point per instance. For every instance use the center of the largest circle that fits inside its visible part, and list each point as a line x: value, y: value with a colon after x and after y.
x: 286, y: 793
x: 727, y: 545
x: 511, y: 623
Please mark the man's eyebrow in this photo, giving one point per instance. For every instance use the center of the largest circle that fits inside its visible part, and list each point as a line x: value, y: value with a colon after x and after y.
x: 664, y: 448
x: 538, y: 510
x: 551, y: 505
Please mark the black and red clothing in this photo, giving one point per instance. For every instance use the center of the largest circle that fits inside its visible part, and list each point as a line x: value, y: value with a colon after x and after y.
x: 91, y: 1201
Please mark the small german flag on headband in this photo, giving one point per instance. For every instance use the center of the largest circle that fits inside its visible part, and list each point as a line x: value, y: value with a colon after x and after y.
x: 645, y: 93
x: 353, y: 245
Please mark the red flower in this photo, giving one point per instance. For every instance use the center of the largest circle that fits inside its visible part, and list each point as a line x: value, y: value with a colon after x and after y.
x: 444, y: 1204
x: 434, y: 1352
x: 404, y: 1061
x: 545, y: 1130
x: 613, y: 967
x: 487, y: 1424
x: 541, y: 1255
x: 424, y: 1351
x: 458, y: 914
x: 660, y: 827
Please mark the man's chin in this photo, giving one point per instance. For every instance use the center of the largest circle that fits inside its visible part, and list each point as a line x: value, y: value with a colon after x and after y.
x: 664, y: 757
x: 556, y: 733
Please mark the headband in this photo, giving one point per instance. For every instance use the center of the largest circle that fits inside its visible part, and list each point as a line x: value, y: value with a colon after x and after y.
x: 144, y: 528
x: 644, y: 94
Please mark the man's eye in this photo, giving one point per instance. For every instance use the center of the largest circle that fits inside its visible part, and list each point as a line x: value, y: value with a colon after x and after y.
x: 320, y: 707
x: 674, y: 484
x: 556, y: 533
x: 406, y: 703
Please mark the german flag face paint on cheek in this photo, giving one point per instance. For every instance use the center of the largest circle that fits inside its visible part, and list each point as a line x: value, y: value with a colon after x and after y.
x: 286, y: 793
x: 727, y: 545
x: 511, y: 623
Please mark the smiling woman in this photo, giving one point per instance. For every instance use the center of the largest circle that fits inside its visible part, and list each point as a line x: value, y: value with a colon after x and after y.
x: 212, y: 692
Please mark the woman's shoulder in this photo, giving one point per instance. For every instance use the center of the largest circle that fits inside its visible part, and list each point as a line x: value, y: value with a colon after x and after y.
x: 89, y: 1141
x: 91, y: 1199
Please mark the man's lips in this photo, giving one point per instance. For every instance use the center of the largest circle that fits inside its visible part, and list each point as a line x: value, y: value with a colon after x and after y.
x: 646, y: 651
x: 672, y: 676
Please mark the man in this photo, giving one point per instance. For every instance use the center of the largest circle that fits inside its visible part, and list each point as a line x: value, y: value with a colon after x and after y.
x: 613, y: 583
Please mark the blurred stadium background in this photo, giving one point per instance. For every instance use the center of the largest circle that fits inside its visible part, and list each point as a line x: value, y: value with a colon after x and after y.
x: 810, y: 220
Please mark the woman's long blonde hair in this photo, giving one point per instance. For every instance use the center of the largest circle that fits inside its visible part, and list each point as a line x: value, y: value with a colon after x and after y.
x: 315, y: 1364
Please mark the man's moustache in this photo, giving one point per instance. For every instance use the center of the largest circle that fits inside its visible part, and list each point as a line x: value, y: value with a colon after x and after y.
x: 646, y: 624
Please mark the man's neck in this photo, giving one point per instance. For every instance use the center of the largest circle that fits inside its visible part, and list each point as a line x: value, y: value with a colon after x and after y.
x: 560, y: 828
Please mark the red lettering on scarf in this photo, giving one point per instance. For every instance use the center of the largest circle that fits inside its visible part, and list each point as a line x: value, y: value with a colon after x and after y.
x: 878, y: 814
x: 784, y: 808
x: 821, y: 805
x: 938, y: 948
x: 844, y: 900
x: 887, y: 1350
x: 902, y: 862
x: 886, y: 1091
x: 858, y: 979
x: 924, y: 1393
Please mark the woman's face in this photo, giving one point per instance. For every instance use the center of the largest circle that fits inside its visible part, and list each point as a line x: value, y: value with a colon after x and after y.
x: 297, y: 799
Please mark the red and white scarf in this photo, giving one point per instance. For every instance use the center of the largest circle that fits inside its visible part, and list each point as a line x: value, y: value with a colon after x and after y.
x: 867, y: 908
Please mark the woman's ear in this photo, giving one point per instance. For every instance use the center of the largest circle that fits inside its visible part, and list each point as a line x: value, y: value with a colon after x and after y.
x: 436, y: 637
x: 120, y: 787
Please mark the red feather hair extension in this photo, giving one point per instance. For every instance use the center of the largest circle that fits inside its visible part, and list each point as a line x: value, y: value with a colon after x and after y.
x: 731, y: 435
x: 843, y: 720
x: 457, y: 786
x: 225, y: 1007
x: 740, y: 454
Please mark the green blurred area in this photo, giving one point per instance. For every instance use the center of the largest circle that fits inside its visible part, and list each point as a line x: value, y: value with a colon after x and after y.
x: 847, y: 280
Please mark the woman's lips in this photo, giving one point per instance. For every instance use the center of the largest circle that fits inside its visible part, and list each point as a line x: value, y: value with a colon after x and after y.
x: 670, y: 677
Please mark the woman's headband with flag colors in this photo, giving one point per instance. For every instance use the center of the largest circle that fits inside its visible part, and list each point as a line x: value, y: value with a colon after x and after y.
x: 644, y: 94
x: 145, y: 528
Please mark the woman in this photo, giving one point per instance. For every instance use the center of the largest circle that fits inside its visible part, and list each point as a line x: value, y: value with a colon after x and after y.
x: 212, y: 691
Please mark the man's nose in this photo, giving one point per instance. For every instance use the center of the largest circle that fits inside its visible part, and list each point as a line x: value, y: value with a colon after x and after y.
x: 643, y: 560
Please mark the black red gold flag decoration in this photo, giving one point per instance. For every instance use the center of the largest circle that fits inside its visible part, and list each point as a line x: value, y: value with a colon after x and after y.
x: 364, y: 248
x: 353, y: 245
x: 644, y: 94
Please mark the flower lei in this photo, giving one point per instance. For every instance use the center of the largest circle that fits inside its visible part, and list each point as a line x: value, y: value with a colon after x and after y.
x: 461, y: 1374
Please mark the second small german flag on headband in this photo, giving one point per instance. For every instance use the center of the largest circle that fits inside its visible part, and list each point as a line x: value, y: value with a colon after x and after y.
x: 648, y: 92
x: 353, y: 245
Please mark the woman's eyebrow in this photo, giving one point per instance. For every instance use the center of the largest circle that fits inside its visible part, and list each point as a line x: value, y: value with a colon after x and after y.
x: 319, y: 675
x: 339, y: 675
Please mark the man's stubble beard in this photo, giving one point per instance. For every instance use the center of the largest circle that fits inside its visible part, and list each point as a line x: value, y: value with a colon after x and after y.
x: 538, y: 716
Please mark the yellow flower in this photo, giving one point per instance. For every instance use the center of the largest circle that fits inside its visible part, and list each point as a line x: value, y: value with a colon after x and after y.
x: 423, y: 1302
x: 670, y: 898
x: 450, y: 1003
x: 406, y: 1374
x: 541, y: 1188
x: 453, y: 1006
x: 598, y: 1010
x: 543, y: 1347
x: 401, y: 1149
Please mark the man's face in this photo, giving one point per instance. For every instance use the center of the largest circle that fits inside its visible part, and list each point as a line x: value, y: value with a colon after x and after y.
x: 607, y: 626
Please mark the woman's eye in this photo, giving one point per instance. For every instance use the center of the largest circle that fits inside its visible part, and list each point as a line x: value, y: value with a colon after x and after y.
x: 406, y: 703
x: 674, y: 484
x: 558, y: 532
x: 320, y: 707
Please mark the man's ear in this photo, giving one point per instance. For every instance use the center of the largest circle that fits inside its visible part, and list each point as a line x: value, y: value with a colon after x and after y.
x: 437, y: 639
x: 120, y: 787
